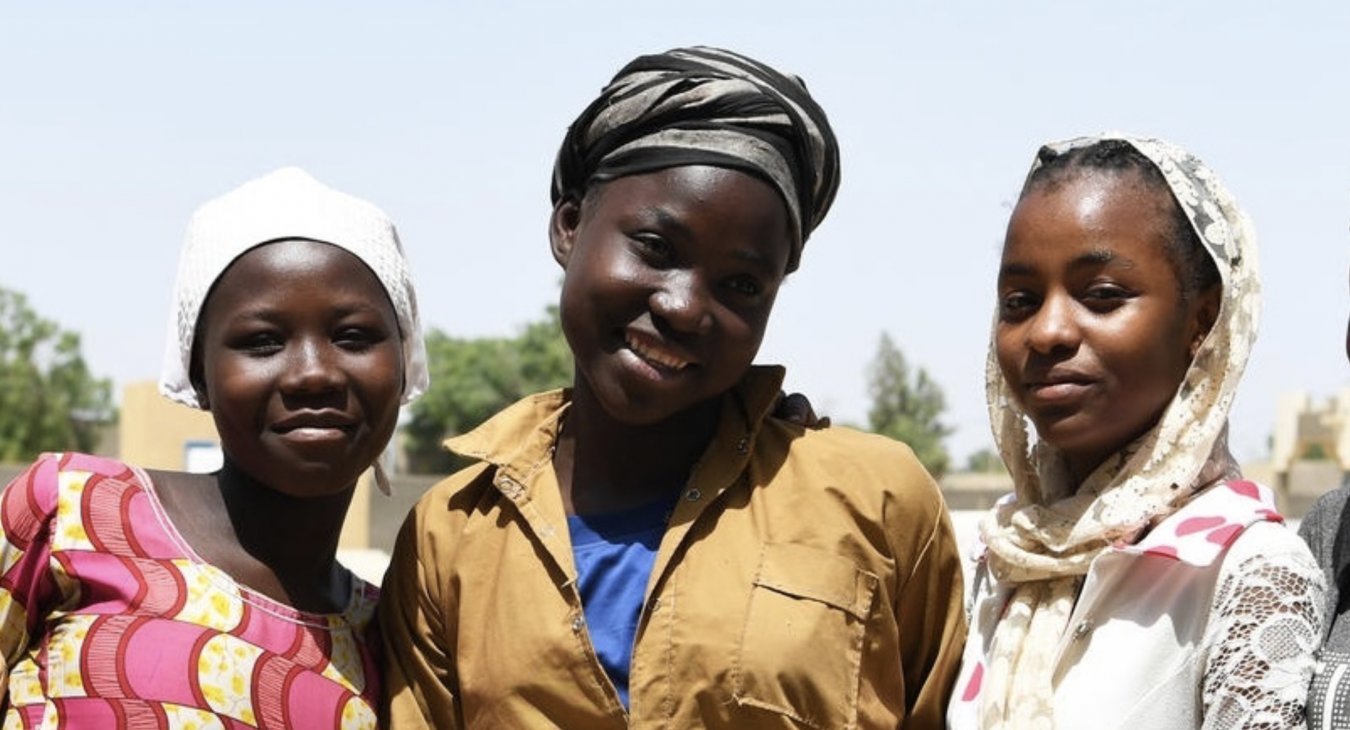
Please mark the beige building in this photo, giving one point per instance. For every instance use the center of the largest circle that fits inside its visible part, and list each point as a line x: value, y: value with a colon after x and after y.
x: 1309, y: 449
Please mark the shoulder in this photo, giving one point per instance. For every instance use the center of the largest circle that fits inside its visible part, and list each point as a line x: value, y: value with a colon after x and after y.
x: 1270, y: 539
x: 1204, y: 529
x: 872, y: 477
x: 34, y: 496
x: 846, y: 455
x: 51, y: 472
x: 1270, y: 553
x: 1269, y: 570
x: 842, y: 445
x: 1324, y: 517
x: 50, y: 464
x: 469, y: 483
x: 439, y: 516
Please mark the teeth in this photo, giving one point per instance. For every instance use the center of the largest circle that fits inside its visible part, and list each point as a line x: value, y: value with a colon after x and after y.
x: 660, y: 358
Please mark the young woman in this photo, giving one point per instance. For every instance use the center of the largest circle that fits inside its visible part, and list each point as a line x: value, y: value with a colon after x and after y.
x: 1134, y: 579
x: 650, y: 548
x: 135, y: 598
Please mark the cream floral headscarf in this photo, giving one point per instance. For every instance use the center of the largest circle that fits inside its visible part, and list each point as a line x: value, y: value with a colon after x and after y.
x: 1043, y: 540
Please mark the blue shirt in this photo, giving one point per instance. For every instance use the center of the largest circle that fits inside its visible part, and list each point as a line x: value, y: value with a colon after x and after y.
x: 614, y: 554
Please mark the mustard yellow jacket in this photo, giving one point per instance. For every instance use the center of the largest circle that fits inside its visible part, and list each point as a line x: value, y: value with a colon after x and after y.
x: 807, y: 579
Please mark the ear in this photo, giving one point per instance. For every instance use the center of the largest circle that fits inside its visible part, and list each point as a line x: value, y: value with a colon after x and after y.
x: 1204, y: 313
x: 198, y: 382
x: 562, y: 229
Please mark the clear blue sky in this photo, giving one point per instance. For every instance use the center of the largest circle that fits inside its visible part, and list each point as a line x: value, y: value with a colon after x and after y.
x: 118, y: 119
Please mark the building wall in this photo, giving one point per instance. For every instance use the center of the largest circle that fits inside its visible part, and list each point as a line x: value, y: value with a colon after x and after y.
x: 156, y: 433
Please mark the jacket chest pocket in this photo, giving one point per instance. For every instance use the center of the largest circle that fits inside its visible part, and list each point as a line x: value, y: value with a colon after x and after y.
x: 801, y: 646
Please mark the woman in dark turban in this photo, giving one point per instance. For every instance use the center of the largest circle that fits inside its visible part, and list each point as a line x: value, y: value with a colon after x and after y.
x: 706, y: 106
x: 652, y: 547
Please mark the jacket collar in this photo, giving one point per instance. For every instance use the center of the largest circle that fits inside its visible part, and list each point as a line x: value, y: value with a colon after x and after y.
x: 519, y: 439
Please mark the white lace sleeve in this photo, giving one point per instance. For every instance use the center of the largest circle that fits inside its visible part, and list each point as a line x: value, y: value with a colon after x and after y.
x: 1264, y: 631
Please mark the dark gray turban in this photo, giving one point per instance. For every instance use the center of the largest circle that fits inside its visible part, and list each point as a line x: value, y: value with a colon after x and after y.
x: 706, y: 106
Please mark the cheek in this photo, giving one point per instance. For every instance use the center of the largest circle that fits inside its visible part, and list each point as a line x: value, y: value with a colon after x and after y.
x: 1150, y: 363
x: 1007, y: 353
x: 382, y: 372
x: 384, y: 380
x: 744, y: 328
x: 229, y: 377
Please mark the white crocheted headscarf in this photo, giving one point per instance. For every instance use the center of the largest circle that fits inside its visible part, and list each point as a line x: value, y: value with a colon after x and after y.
x: 284, y: 204
x: 1043, y: 541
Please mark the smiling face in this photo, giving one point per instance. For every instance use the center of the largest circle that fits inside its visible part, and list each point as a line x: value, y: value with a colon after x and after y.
x: 669, y: 280
x: 1094, y: 335
x: 299, y: 360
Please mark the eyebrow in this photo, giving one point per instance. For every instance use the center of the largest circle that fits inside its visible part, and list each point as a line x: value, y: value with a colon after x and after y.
x: 1095, y: 257
x: 666, y: 219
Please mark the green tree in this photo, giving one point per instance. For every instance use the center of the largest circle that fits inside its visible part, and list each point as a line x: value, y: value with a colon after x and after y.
x: 1315, y: 452
x: 907, y: 408
x: 471, y: 379
x: 985, y: 461
x: 49, y: 401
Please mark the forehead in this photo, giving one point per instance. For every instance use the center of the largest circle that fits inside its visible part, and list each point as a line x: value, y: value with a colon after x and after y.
x: 278, y: 268
x: 291, y: 256
x: 1111, y: 215
x: 698, y: 196
x: 682, y: 180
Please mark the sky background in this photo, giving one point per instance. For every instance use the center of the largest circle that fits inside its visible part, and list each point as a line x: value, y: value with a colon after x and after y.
x: 117, y: 120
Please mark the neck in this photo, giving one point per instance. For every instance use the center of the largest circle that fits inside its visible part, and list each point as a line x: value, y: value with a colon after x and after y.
x: 657, y: 458
x: 296, y: 537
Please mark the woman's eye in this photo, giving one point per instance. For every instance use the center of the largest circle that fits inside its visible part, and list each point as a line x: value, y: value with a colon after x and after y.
x: 653, y: 245
x: 1106, y: 296
x: 258, y: 343
x: 357, y: 338
x: 1015, y: 304
x: 747, y: 286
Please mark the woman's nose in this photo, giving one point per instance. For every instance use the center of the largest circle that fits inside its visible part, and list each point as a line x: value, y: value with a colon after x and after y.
x: 683, y: 302
x: 1053, y: 325
x: 312, y: 368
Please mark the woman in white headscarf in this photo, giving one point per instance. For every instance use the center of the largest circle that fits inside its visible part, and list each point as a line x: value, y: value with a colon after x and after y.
x: 144, y: 598
x: 1134, y: 578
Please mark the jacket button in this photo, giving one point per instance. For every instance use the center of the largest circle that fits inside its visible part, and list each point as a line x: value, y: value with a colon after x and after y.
x: 693, y: 495
x: 577, y: 623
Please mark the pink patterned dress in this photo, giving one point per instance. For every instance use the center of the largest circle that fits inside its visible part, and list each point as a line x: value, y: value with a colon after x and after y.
x: 109, y: 620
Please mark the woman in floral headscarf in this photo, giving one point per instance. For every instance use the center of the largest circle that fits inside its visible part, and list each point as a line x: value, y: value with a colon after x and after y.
x: 1133, y: 579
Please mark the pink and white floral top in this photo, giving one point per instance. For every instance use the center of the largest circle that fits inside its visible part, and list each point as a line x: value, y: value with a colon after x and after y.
x: 109, y: 620
x: 1211, y: 620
